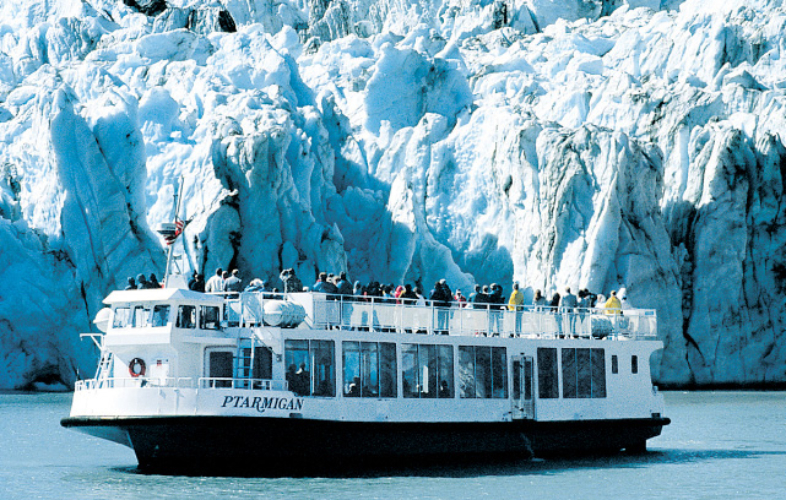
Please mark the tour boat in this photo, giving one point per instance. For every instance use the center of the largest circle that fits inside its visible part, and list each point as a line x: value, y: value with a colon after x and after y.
x: 260, y: 382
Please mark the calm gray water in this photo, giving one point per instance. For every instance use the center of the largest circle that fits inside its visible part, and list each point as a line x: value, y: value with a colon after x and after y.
x: 729, y: 445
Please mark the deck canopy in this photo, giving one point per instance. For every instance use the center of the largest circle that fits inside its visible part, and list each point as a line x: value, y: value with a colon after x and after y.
x: 162, y: 295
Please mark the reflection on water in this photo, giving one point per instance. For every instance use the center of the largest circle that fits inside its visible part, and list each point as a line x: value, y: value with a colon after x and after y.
x: 719, y: 445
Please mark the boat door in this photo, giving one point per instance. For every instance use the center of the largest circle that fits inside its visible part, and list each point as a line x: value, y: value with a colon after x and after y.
x: 523, y: 401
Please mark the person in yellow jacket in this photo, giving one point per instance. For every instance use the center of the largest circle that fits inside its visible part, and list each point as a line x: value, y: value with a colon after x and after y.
x: 613, y: 305
x: 515, y: 304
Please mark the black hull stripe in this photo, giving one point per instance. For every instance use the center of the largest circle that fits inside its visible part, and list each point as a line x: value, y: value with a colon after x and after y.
x: 261, y: 445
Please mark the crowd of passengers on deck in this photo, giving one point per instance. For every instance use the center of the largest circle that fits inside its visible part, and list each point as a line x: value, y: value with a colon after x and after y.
x: 338, y: 286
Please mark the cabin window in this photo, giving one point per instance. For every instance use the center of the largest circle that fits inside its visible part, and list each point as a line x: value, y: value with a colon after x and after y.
x: 548, y: 383
x: 311, y: 368
x: 160, y: 315
x: 209, y: 318
x: 427, y: 371
x: 369, y: 369
x: 220, y: 367
x: 141, y: 316
x: 186, y: 317
x: 583, y: 373
x: 614, y: 364
x: 634, y: 364
x: 122, y: 317
x: 263, y: 363
x: 483, y: 372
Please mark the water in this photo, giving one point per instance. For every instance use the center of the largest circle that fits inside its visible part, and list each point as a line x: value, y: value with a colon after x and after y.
x: 720, y: 445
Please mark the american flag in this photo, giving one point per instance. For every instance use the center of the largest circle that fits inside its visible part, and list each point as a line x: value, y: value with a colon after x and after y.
x: 178, y: 229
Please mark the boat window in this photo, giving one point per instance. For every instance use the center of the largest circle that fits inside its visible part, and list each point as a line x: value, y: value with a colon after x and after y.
x: 583, y: 373
x: 598, y: 373
x: 369, y: 369
x: 445, y: 366
x: 614, y: 364
x: 209, y: 318
x: 548, y: 383
x: 141, y: 316
x: 324, y: 372
x: 263, y: 363
x: 186, y: 317
x: 483, y: 372
x: 311, y: 367
x: 427, y: 370
x: 634, y: 364
x: 122, y: 317
x: 298, y: 369
x: 221, y: 368
x: 160, y: 315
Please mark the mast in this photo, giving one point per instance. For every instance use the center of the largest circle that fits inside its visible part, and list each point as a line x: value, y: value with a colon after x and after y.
x: 178, y: 199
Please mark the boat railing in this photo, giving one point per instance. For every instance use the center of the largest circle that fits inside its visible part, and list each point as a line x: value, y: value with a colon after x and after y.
x: 181, y: 383
x: 407, y: 316
x: 242, y: 383
x: 141, y: 381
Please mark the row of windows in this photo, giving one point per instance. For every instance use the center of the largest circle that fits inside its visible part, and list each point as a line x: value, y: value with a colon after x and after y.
x: 155, y: 316
x: 370, y: 370
x: 583, y: 372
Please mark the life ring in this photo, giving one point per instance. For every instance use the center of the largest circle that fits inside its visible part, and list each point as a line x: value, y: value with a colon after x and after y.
x: 137, y: 367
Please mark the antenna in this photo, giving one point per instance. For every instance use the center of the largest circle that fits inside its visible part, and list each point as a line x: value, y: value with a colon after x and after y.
x: 171, y: 230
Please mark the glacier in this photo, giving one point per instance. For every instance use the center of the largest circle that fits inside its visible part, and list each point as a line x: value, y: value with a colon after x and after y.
x: 605, y: 144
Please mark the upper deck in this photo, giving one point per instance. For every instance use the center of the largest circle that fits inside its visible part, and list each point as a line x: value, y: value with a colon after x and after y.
x: 343, y: 312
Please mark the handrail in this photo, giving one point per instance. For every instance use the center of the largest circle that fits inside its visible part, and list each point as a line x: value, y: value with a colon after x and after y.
x: 398, y: 316
x: 383, y: 314
x: 181, y: 383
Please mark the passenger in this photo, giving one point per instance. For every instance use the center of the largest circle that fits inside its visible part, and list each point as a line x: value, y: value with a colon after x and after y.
x: 233, y: 282
x: 215, y: 283
x: 357, y: 290
x: 444, y: 389
x: 152, y: 282
x: 568, y: 305
x: 497, y: 300
x: 408, y: 295
x: 373, y: 290
x: 584, y: 306
x: 131, y: 284
x: 462, y: 301
x: 256, y: 285
x: 473, y: 297
x: 192, y: 280
x: 483, y: 298
x: 199, y: 284
x: 538, y: 299
x: 554, y: 309
x: 613, y: 305
x: 421, y: 299
x: 515, y: 303
x: 440, y: 299
x: 291, y: 282
x: 387, y: 297
x: 324, y: 286
x: 141, y: 282
x: 354, y: 388
x: 343, y: 284
x: 516, y: 300
x: 303, y: 380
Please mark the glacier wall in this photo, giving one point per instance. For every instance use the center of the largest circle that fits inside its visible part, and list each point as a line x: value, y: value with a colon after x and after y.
x: 583, y: 143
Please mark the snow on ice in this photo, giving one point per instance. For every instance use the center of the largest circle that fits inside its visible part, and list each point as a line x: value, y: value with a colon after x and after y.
x: 582, y: 143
